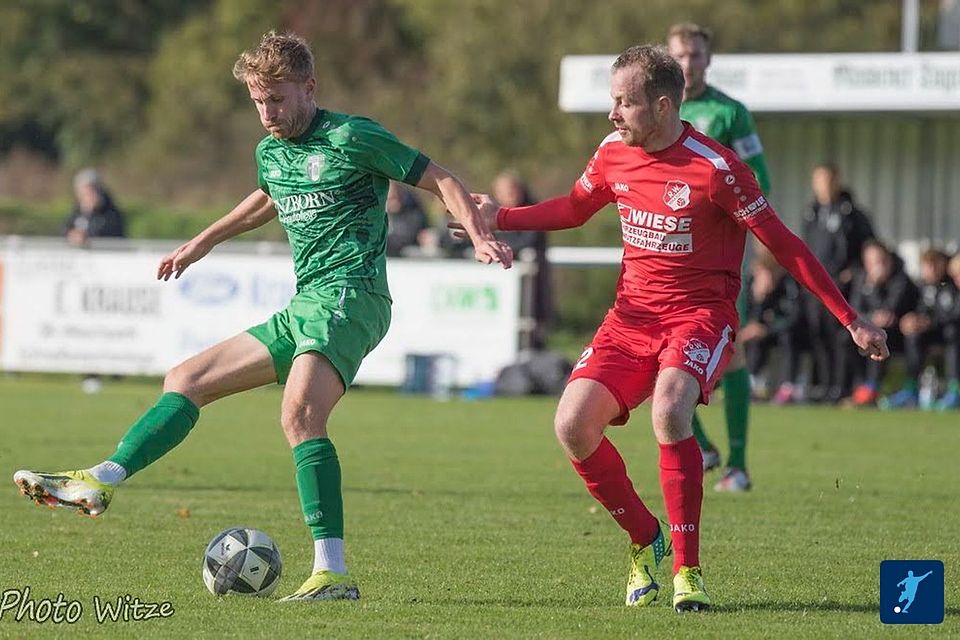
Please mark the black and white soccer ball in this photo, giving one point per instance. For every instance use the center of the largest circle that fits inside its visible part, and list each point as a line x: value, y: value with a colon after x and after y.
x: 241, y: 560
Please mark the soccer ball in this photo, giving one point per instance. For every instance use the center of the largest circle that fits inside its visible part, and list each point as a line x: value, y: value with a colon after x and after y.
x: 241, y: 560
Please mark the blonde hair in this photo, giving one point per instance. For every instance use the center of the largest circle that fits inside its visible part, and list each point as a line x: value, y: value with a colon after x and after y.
x: 687, y: 31
x: 278, y: 58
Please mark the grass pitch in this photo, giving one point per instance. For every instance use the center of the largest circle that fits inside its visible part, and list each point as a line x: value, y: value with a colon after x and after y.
x: 463, y: 520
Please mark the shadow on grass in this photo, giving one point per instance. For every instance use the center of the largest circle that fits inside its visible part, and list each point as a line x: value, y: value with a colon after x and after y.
x: 553, y: 603
x: 413, y: 492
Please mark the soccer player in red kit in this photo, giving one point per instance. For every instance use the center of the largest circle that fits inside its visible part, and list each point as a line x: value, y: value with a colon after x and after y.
x: 685, y: 204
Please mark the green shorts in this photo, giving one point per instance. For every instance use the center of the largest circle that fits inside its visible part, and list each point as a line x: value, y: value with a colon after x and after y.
x: 342, y: 323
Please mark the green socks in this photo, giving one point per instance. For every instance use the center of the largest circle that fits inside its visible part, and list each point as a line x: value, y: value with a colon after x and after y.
x: 736, y: 406
x: 159, y: 430
x: 318, y: 481
x: 698, y: 433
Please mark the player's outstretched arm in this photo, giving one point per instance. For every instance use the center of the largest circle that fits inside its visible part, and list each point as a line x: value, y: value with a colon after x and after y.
x: 460, y: 204
x: 253, y: 211
x: 796, y: 258
x: 565, y: 212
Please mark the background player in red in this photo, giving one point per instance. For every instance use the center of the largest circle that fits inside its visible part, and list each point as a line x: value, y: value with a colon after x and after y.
x: 685, y: 203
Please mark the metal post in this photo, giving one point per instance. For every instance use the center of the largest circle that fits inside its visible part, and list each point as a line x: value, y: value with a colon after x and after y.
x: 910, y: 26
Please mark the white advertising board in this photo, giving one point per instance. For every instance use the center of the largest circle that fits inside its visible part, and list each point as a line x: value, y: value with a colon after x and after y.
x: 70, y: 310
x: 797, y: 83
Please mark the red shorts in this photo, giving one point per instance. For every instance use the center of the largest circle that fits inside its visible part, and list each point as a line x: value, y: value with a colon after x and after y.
x: 626, y: 357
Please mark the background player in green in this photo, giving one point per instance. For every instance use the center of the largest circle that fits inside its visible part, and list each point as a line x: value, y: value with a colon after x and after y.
x: 728, y: 122
x: 325, y: 175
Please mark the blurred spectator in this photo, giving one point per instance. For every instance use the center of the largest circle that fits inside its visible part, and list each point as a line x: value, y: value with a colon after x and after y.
x: 835, y: 230
x: 510, y: 191
x: 773, y: 316
x: 931, y: 327
x: 884, y: 293
x: 94, y: 213
x: 407, y: 224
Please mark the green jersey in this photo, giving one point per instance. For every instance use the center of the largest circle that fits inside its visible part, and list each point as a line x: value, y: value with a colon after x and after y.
x: 329, y: 186
x: 727, y: 121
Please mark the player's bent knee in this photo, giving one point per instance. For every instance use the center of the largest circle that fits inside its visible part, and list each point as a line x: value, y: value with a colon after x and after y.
x: 671, y: 421
x: 301, y: 422
x: 578, y: 438
x: 185, y: 380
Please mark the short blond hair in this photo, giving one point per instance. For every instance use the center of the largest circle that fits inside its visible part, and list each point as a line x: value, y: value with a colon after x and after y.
x: 656, y: 73
x: 687, y: 31
x: 278, y: 58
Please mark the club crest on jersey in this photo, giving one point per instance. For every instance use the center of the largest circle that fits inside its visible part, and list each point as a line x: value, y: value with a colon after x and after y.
x: 314, y: 166
x: 676, y: 195
x: 697, y: 351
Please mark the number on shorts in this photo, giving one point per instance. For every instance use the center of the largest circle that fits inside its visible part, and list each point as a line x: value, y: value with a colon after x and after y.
x: 582, y: 362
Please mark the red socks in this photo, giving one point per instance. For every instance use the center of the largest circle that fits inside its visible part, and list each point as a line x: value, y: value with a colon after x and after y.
x: 681, y: 478
x: 607, y: 481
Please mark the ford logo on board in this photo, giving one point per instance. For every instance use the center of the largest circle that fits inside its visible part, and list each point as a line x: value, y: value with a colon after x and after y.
x: 209, y: 288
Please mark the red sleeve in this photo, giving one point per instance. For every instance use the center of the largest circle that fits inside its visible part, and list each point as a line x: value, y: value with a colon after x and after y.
x: 589, y: 194
x: 734, y: 189
x: 559, y: 213
x: 793, y: 254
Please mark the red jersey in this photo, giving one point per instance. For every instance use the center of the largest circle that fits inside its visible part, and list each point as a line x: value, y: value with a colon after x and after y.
x: 683, y: 213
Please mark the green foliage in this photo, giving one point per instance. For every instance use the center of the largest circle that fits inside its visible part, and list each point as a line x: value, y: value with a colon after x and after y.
x: 146, y: 87
x: 144, y: 220
x: 72, y: 71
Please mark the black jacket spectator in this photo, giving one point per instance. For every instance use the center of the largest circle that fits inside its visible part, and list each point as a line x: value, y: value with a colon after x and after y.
x: 406, y: 220
x: 835, y: 230
x: 882, y: 292
x: 897, y: 294
x: 940, y: 302
x: 773, y: 317
x: 94, y: 213
x: 105, y: 220
x: 836, y: 233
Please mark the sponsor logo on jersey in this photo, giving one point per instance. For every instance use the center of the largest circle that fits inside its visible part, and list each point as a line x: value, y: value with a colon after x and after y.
x: 314, y: 166
x: 304, y: 207
x: 619, y: 186
x: 654, y: 221
x: 274, y: 173
x: 676, y: 194
x: 729, y: 179
x: 754, y: 208
x: 655, y: 231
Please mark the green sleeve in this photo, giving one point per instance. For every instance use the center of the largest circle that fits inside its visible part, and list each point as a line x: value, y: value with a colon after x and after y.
x: 746, y: 143
x: 759, y: 165
x: 375, y: 150
x: 261, y: 178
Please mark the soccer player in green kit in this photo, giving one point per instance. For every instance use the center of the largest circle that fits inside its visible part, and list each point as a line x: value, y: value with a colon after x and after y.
x: 727, y: 121
x: 325, y: 175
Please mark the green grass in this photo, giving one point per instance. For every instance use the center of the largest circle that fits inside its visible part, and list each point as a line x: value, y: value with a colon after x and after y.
x: 465, y: 521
